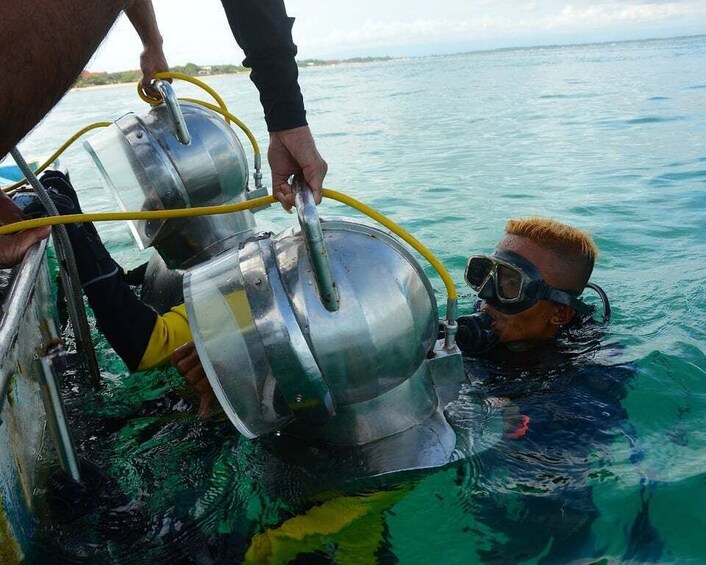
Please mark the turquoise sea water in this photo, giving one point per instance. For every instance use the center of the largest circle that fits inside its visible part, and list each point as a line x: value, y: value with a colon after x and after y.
x: 610, y: 138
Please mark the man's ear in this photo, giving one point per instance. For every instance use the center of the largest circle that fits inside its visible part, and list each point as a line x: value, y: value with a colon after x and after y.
x: 562, y: 315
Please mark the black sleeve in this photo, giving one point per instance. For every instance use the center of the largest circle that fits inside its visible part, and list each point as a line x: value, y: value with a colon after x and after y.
x: 264, y: 32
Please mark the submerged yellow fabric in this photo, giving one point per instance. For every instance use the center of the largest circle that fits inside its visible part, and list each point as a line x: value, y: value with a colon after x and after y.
x: 171, y: 330
x: 355, y: 524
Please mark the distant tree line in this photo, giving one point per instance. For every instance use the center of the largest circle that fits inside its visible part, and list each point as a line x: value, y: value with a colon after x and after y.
x: 191, y: 69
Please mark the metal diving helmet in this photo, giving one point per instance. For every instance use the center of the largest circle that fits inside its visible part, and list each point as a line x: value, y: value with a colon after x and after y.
x: 178, y: 155
x: 324, y: 336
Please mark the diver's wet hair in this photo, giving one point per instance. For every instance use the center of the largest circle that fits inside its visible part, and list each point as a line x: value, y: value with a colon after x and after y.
x: 571, y: 245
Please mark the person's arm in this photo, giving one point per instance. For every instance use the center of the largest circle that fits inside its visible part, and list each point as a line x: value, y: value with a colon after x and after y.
x: 14, y: 246
x: 45, y: 44
x: 152, y: 60
x: 264, y: 32
x: 9, y: 211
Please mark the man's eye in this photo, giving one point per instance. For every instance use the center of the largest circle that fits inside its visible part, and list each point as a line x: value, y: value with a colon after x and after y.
x: 509, y: 282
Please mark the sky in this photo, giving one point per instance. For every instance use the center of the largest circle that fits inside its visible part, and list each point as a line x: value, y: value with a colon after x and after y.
x: 197, y: 32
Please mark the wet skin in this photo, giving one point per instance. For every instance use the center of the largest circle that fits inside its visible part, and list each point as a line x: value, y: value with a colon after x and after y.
x: 541, y: 321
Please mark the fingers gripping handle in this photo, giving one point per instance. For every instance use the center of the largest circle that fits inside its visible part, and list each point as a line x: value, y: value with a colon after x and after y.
x: 315, y: 245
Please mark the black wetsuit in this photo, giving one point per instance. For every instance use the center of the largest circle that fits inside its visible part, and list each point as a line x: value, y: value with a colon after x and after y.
x: 535, y: 494
x: 264, y: 32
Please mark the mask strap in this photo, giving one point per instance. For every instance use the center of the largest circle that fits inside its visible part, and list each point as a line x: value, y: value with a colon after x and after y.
x: 565, y: 298
x: 604, y: 298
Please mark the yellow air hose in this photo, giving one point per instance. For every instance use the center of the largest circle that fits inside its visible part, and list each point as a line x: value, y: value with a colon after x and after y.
x: 222, y: 109
x: 229, y: 208
x: 58, y: 152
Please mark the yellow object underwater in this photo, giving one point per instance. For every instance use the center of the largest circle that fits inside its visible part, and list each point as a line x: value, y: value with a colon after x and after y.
x: 355, y: 523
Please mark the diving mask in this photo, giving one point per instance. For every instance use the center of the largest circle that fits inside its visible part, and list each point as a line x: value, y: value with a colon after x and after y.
x: 512, y: 284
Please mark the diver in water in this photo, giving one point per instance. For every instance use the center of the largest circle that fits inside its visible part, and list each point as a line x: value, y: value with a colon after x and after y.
x: 528, y: 287
x: 534, y: 352
x: 142, y: 338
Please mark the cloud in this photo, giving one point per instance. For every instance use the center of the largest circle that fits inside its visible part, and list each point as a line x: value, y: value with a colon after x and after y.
x: 619, y: 14
x: 526, y: 18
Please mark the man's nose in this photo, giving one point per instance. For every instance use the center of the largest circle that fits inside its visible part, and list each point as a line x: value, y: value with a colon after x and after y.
x: 487, y: 291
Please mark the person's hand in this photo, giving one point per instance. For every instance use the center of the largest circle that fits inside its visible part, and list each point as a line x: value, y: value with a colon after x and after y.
x: 292, y: 152
x: 9, y: 211
x: 187, y: 362
x: 14, y: 246
x: 152, y: 61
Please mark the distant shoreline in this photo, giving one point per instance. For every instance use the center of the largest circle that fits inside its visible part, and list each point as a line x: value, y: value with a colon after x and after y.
x: 90, y: 80
x: 134, y: 83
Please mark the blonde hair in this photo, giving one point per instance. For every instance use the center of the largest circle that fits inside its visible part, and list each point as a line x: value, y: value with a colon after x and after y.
x: 573, y: 247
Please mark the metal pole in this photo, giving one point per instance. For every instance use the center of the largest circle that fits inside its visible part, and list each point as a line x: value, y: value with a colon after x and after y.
x: 15, y: 305
x: 69, y: 273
